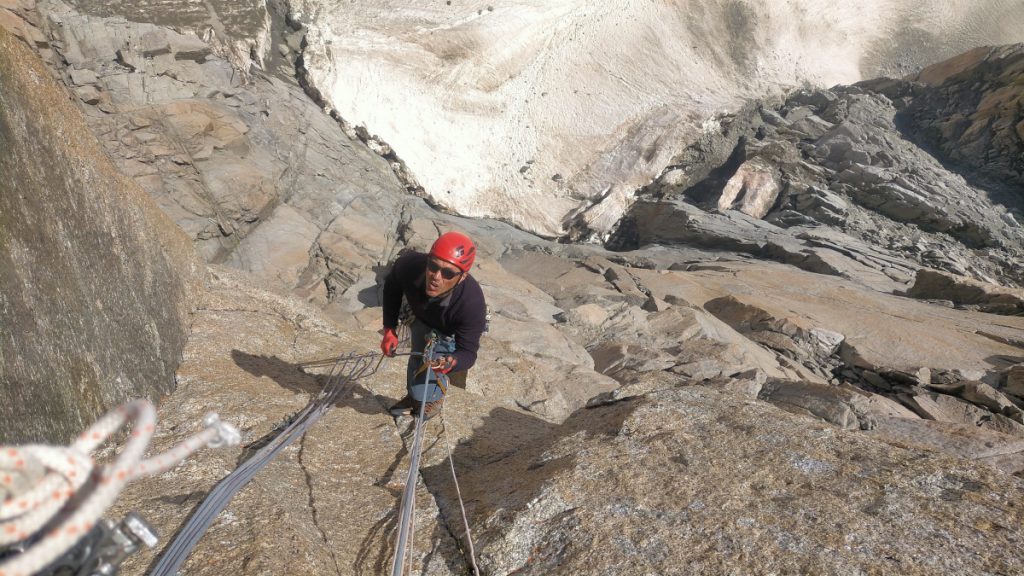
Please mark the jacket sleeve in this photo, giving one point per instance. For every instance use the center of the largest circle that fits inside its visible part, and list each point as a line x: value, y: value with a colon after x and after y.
x: 470, y: 328
x: 392, y: 295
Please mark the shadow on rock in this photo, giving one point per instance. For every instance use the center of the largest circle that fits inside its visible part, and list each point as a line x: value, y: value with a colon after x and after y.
x: 368, y: 297
x: 370, y: 550
x: 294, y: 378
x: 377, y: 548
x: 509, y: 459
x: 1003, y: 361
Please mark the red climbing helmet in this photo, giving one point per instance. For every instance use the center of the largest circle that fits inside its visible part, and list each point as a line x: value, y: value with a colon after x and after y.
x: 456, y: 249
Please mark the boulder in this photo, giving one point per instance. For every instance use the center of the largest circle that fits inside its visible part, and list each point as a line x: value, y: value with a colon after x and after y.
x: 988, y: 397
x: 1014, y: 381
x: 752, y: 190
x: 845, y: 406
x: 946, y: 408
x: 587, y: 315
x: 937, y: 285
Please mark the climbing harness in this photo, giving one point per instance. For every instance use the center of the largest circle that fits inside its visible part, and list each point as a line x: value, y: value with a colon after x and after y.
x: 54, y: 496
x: 434, y: 384
x: 346, y: 369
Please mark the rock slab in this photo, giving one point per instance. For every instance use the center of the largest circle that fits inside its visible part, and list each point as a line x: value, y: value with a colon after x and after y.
x: 96, y: 284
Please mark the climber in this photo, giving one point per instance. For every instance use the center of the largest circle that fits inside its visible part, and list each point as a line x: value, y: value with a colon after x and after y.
x: 445, y: 300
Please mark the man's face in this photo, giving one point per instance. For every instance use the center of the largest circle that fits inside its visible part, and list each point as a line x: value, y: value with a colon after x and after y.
x: 441, y: 277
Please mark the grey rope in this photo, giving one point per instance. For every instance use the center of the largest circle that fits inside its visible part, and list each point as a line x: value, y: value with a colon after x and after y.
x: 406, y: 521
x: 458, y: 492
x: 347, y: 368
x: 407, y: 510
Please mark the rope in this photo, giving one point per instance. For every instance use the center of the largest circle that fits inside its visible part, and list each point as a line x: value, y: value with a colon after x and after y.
x: 61, y: 486
x: 347, y: 368
x: 38, y: 481
x: 407, y: 511
x: 406, y: 514
x: 458, y: 492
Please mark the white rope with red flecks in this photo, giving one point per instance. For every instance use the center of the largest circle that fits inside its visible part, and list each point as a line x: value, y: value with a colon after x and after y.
x: 38, y: 482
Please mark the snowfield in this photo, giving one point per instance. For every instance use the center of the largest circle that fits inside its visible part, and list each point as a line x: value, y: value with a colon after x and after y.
x: 538, y: 111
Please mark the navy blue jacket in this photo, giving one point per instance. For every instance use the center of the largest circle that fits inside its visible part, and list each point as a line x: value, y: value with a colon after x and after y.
x: 460, y: 313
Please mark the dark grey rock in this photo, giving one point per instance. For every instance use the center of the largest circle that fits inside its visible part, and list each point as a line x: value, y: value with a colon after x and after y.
x: 96, y: 284
x: 979, y: 129
x: 847, y: 168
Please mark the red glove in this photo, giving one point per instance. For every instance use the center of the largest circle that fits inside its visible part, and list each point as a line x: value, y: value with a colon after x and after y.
x: 389, y: 343
x: 443, y: 365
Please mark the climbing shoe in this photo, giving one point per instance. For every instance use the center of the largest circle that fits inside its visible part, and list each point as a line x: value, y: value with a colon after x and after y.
x: 404, y: 407
x: 432, y: 409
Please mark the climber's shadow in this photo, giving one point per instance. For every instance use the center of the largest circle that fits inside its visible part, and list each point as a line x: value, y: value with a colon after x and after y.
x: 508, y: 460
x: 369, y: 297
x: 300, y: 379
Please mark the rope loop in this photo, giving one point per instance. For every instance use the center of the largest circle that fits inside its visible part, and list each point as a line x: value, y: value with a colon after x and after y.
x: 44, y: 485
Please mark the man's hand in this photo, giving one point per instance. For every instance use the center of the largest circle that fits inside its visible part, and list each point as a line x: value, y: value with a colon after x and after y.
x: 389, y: 343
x: 442, y: 365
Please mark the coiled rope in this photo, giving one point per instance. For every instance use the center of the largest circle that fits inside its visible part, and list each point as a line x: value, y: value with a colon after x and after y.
x: 60, y: 488
x: 347, y: 368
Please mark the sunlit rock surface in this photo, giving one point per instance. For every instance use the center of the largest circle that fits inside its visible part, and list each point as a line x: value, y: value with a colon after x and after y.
x: 326, y: 504
x: 696, y: 482
x: 723, y: 392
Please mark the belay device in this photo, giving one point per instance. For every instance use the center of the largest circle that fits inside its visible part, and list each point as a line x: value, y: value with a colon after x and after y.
x: 426, y: 382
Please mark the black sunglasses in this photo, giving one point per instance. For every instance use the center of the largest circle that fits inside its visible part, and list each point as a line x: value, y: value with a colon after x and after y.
x: 446, y: 273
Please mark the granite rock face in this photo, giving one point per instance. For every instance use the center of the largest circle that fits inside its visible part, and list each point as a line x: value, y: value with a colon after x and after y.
x: 933, y: 285
x: 970, y: 110
x: 327, y: 503
x: 751, y: 381
x: 97, y: 285
x: 191, y: 102
x: 239, y: 30
x: 693, y: 481
x: 667, y: 477
x: 841, y: 189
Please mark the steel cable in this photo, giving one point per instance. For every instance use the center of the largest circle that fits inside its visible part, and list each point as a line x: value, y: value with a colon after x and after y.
x: 347, y: 368
x: 407, y: 510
